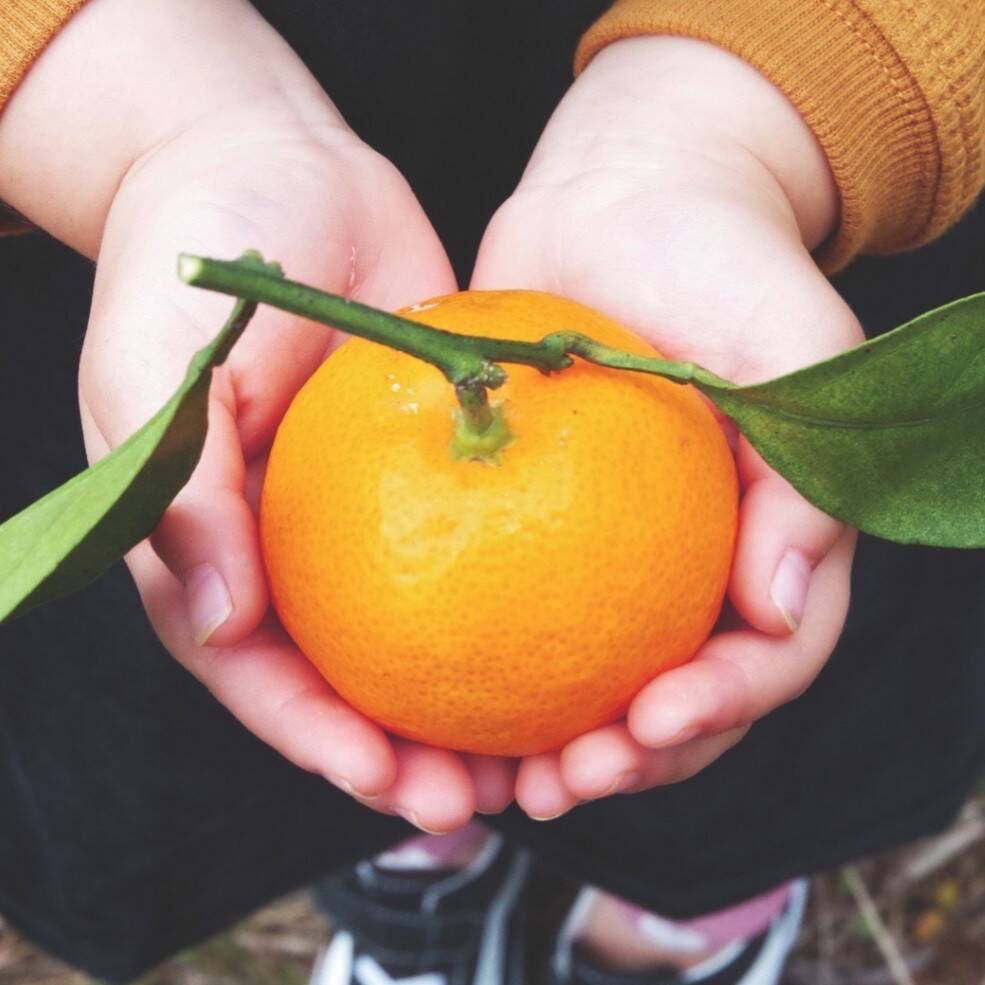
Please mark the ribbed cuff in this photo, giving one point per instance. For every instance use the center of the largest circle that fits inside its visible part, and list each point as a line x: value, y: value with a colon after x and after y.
x: 26, y: 26
x: 848, y: 84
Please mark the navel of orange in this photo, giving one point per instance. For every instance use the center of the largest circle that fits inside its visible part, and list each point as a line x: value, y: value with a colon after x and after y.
x: 497, y: 608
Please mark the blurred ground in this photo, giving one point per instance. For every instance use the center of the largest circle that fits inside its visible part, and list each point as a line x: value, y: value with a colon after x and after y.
x: 915, y: 916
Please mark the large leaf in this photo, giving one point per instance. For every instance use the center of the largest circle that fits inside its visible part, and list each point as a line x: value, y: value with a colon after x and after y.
x: 889, y: 436
x: 63, y: 541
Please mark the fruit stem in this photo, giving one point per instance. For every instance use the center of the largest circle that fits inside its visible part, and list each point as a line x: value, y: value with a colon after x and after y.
x: 469, y: 362
x: 465, y: 360
x: 476, y: 413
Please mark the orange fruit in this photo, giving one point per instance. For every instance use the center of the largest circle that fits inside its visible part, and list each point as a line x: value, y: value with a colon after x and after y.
x: 497, y: 608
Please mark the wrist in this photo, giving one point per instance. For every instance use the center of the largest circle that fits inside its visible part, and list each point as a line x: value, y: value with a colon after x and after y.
x: 692, y: 110
x: 121, y: 81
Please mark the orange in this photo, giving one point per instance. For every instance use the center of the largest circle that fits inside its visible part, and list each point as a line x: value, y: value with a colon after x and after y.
x: 497, y: 608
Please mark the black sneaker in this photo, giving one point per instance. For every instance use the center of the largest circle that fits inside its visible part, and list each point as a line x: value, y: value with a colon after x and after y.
x: 758, y: 961
x: 428, y: 927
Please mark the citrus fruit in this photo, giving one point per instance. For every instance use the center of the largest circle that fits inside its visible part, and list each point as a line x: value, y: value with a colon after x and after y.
x: 497, y: 607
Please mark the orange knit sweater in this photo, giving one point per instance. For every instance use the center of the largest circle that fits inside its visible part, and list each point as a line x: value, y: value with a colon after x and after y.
x: 894, y: 90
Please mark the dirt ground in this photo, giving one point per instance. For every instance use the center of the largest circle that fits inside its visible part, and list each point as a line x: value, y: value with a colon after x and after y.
x: 915, y: 916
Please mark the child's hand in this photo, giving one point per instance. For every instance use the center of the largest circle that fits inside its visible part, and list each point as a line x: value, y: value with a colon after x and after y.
x: 678, y: 191
x: 202, y: 132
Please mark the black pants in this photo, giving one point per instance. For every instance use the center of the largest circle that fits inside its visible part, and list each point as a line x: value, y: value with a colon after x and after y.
x: 136, y: 816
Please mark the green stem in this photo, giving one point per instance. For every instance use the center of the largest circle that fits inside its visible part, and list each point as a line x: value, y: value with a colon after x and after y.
x: 468, y: 361
x: 476, y: 411
x: 576, y: 344
x: 465, y: 360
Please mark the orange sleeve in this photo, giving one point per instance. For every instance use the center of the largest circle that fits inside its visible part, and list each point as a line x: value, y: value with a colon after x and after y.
x: 893, y: 89
x: 26, y: 26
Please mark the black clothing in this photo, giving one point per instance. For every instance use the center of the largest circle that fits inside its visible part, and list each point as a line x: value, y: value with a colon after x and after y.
x: 136, y: 816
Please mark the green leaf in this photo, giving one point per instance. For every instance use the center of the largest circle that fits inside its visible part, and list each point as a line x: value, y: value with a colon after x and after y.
x: 889, y: 436
x: 69, y: 537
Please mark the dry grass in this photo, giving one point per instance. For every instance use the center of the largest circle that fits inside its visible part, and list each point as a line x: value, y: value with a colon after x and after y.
x: 929, y: 922
x: 926, y: 927
x: 276, y: 946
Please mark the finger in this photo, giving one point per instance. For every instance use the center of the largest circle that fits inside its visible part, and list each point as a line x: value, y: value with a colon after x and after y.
x: 540, y: 789
x: 674, y: 765
x: 433, y: 789
x: 493, y: 779
x: 605, y: 761
x: 781, y: 540
x: 420, y: 767
x: 609, y: 761
x: 273, y: 690
x: 737, y: 677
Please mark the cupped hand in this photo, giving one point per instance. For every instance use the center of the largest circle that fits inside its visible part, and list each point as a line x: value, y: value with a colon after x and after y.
x: 238, y: 148
x: 677, y: 191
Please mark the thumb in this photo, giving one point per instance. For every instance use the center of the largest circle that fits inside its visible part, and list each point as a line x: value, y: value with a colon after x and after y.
x: 208, y: 537
x: 781, y: 540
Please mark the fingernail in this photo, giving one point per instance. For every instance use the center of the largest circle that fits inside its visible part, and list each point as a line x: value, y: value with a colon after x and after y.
x: 346, y: 787
x: 551, y: 817
x: 209, y: 602
x: 624, y: 781
x: 789, y: 587
x: 671, y: 725
x: 412, y: 818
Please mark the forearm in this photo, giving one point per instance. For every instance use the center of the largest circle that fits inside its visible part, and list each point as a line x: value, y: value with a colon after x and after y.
x: 121, y: 80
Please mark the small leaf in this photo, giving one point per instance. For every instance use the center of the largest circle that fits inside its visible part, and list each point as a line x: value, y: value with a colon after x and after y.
x: 66, y: 539
x: 889, y: 436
